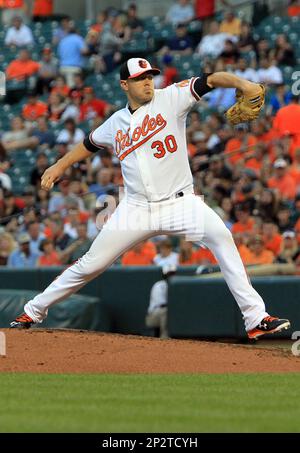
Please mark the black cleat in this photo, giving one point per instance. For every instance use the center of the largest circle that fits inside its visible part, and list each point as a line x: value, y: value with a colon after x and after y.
x: 269, y: 325
x: 22, y: 322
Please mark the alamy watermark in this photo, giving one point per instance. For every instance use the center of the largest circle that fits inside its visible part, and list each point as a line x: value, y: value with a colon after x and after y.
x: 2, y: 344
x: 2, y: 84
x: 296, y: 345
x: 296, y: 84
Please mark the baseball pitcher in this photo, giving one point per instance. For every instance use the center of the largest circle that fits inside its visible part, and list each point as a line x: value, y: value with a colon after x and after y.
x: 148, y: 137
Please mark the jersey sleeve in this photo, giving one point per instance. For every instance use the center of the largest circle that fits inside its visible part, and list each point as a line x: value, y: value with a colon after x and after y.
x: 99, y: 138
x: 185, y: 94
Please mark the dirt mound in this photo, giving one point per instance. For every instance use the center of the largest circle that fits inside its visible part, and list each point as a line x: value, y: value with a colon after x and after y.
x: 61, y: 351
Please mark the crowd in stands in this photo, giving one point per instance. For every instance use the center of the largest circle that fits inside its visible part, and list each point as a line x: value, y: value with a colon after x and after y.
x: 249, y: 174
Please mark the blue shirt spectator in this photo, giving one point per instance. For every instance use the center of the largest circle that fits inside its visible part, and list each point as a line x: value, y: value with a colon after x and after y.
x: 23, y: 257
x: 70, y: 50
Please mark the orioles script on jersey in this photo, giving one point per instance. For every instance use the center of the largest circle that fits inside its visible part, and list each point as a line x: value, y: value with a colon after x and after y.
x: 149, y: 127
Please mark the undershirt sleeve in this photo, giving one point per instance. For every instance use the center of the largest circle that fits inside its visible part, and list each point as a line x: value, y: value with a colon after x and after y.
x: 200, y: 85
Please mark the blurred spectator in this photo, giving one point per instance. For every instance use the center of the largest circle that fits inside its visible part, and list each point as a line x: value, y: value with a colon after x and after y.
x: 19, y: 34
x: 73, y: 218
x: 7, y: 246
x: 272, y: 238
x: 61, y: 239
x: 284, y: 218
x: 41, y: 164
x: 92, y: 107
x: 11, y: 8
x: 267, y: 205
x: 5, y: 180
x: 169, y: 73
x: 29, y: 198
x: 243, y: 250
x: 133, y: 22
x: 62, y: 31
x: 288, y: 248
x: 103, y: 183
x: 244, y: 223
x: 238, y: 145
x: 288, y: 119
x: 243, y: 70
x: 180, y: 12
x: 180, y: 44
x: 137, y: 256
x: 56, y: 107
x: 59, y: 200
x: 269, y: 73
x: 23, y: 257
x: 280, y: 98
x: 205, y: 257
x: 70, y: 134
x: 59, y: 86
x: 262, y: 50
x: 294, y: 8
x: 227, y: 212
x: 22, y: 67
x: 282, y: 181
x: 100, y: 20
x: 71, y: 50
x: 42, y: 200
x: 72, y: 109
x: 213, y: 43
x: 79, y: 246
x: 43, y: 133
x: 18, y: 137
x: 283, y: 52
x: 230, y: 24
x: 187, y: 254
x: 47, y: 71
x: 34, y: 108
x: 258, y: 253
x: 110, y: 44
x: 157, y: 311
x: 35, y: 235
x: 78, y: 85
x: 49, y: 256
x: 166, y: 256
x: 221, y: 98
x: 246, y: 42
x: 42, y: 10
x: 230, y: 53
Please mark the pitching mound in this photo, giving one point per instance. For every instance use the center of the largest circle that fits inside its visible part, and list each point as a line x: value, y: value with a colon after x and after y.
x: 60, y: 351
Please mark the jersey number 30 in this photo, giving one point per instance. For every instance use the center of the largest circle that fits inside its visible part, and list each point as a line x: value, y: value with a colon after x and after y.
x: 169, y: 143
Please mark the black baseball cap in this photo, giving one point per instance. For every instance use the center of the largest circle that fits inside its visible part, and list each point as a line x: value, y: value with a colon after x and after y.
x: 134, y: 67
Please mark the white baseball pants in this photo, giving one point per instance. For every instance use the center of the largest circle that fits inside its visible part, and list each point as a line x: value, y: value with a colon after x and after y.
x: 134, y: 221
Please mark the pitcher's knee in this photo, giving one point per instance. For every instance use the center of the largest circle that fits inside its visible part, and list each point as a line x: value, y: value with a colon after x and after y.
x: 89, y: 265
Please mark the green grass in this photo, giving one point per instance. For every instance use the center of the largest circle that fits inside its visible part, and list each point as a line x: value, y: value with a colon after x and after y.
x: 149, y: 403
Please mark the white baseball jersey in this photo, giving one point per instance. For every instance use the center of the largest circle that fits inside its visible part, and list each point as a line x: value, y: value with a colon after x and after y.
x: 151, y: 142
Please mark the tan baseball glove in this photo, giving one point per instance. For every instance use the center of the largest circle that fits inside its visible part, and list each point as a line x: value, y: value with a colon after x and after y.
x: 246, y: 108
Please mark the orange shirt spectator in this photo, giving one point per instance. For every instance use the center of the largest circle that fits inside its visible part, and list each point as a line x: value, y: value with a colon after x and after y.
x: 287, y: 119
x: 204, y: 256
x: 245, y: 253
x: 258, y: 253
x: 22, y: 67
x: 140, y: 255
x: 32, y: 111
x: 254, y: 164
x: 243, y: 227
x: 237, y: 143
x: 274, y: 243
x: 62, y: 91
x: 282, y: 181
x: 294, y: 10
x: 49, y: 260
x: 149, y: 249
x: 43, y: 8
x: 92, y: 107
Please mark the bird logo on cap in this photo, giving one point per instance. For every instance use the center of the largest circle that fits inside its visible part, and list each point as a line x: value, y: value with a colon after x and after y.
x: 143, y: 64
